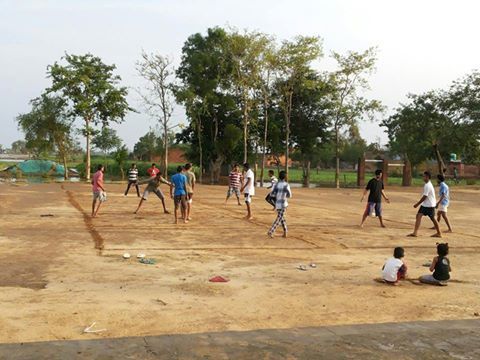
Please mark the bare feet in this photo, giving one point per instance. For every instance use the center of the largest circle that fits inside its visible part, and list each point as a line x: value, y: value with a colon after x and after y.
x: 189, y: 218
x: 166, y: 212
x: 284, y: 235
x: 449, y: 231
x: 270, y: 235
x: 383, y: 226
x: 437, y: 235
x: 249, y: 217
x: 361, y: 226
x: 412, y: 235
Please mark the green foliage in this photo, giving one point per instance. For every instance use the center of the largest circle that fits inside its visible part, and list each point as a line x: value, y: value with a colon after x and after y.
x: 106, y: 140
x: 19, y: 147
x: 148, y: 146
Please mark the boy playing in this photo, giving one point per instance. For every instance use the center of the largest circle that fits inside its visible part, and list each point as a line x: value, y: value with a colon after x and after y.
x: 132, y: 179
x: 98, y: 190
x: 376, y: 189
x: 427, y: 208
x: 395, y: 268
x: 234, y: 183
x: 443, y: 202
x: 273, y: 180
x: 191, y: 180
x: 154, y: 187
x: 281, y: 192
x: 153, y: 171
x: 248, y: 189
x: 179, y: 182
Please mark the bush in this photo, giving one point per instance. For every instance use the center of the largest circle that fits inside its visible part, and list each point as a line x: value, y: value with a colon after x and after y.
x: 471, y: 182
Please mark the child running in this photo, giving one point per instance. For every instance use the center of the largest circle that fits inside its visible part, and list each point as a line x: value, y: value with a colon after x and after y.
x: 376, y: 189
x: 273, y: 180
x: 154, y: 187
x: 443, y: 202
x: 98, y: 189
x: 440, y: 267
x: 395, y: 268
x: 248, y: 189
x: 179, y: 197
x: 234, y: 184
x: 427, y: 206
x: 191, y: 180
x: 132, y: 179
x: 282, y: 192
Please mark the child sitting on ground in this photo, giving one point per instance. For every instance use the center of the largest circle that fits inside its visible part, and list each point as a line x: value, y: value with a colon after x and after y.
x: 395, y: 268
x: 440, y: 267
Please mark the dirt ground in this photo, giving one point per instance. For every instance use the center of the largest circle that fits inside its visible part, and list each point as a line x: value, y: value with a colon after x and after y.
x: 54, y: 280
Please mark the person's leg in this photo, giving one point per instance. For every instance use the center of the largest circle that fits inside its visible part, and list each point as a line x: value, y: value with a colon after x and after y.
x: 176, y: 202
x: 138, y: 188
x: 402, y: 273
x: 94, y: 201
x: 139, y: 205
x: 437, y: 227
x: 275, y: 224
x: 365, y: 214
x: 128, y: 188
x: 428, y: 279
x: 98, y: 208
x: 248, y: 200
x: 284, y: 223
x: 418, y: 222
x: 189, y: 205
x: 184, y: 208
x: 378, y: 212
x: 445, y: 217
x: 229, y: 193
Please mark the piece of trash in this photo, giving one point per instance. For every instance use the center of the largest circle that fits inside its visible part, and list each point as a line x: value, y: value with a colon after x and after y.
x: 160, y: 301
x: 147, y: 261
x: 126, y: 256
x: 218, y: 279
x: 140, y: 256
x: 302, y: 267
x: 90, y: 330
x: 313, y: 266
x: 47, y: 215
x: 427, y: 264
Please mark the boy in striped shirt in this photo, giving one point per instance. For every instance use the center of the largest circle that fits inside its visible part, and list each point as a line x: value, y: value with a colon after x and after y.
x: 282, y: 193
x: 133, y: 179
x: 234, y: 183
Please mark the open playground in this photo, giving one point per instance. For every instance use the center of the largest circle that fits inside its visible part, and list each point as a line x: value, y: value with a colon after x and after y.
x: 61, y: 271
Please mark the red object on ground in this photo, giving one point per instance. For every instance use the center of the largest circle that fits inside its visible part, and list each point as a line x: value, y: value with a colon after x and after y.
x: 218, y: 279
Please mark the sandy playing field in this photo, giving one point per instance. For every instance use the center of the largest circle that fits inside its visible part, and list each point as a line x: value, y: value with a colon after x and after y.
x: 54, y: 281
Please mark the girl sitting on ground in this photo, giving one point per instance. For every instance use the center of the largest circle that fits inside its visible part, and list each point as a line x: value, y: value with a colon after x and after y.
x: 395, y: 268
x: 440, y: 267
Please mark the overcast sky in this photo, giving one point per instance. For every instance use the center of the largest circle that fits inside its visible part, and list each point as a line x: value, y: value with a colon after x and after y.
x: 423, y: 44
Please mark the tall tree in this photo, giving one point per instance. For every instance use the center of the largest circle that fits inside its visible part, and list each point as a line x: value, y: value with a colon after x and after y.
x: 120, y: 156
x: 295, y: 58
x: 148, y: 146
x: 19, y: 147
x: 48, y: 128
x: 159, y: 73
x: 92, y: 92
x: 106, y: 140
x: 349, y: 81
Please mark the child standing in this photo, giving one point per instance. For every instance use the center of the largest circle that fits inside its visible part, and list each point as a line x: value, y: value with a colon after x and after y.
x: 179, y: 182
x: 132, y: 179
x: 273, y: 180
x: 191, y: 180
x: 282, y: 192
x: 443, y: 202
x: 234, y: 183
x: 154, y: 187
x: 376, y: 191
x: 395, y: 268
x: 248, y: 189
x: 98, y: 190
x: 440, y: 267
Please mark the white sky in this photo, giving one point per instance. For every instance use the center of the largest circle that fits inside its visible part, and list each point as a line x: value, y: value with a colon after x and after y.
x: 423, y: 44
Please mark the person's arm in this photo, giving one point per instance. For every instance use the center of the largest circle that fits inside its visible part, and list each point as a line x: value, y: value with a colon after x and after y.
x: 164, y: 181
x: 185, y: 185
x: 420, y: 201
x: 385, y: 196
x: 440, y: 200
x: 289, y: 191
x: 246, y: 184
x: 171, y: 190
x: 434, y: 263
x: 194, y: 180
x: 142, y: 182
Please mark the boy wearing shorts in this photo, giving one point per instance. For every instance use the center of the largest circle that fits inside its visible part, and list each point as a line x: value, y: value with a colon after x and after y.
x: 154, y: 187
x: 443, y: 202
x: 248, y: 189
x: 376, y: 192
x: 191, y: 180
x: 98, y: 190
x: 427, y: 205
x: 179, y: 195
x: 234, y: 184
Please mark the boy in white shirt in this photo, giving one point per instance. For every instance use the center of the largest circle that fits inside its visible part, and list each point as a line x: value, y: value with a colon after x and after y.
x: 427, y: 204
x: 248, y: 188
x: 395, y: 268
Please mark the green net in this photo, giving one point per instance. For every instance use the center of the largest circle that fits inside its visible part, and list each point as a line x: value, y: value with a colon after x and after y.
x: 39, y: 167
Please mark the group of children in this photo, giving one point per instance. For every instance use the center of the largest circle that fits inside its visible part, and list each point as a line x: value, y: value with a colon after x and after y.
x: 277, y: 197
x: 395, y: 269
x: 181, y: 186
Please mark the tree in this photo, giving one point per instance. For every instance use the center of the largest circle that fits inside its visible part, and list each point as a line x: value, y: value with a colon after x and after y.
x: 148, y: 146
x: 295, y: 58
x: 354, y: 146
x: 349, y: 107
x: 120, y: 155
x: 92, y: 92
x: 106, y: 140
x: 158, y: 95
x: 19, y: 147
x: 48, y: 128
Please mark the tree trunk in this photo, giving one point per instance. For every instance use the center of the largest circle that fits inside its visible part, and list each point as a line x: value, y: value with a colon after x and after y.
x: 337, y: 159
x: 165, y: 149
x: 200, y: 149
x: 122, y: 172
x: 440, y: 163
x: 65, y: 169
x: 265, y: 135
x: 245, y: 132
x: 306, y: 173
x: 287, y: 130
x: 87, y: 164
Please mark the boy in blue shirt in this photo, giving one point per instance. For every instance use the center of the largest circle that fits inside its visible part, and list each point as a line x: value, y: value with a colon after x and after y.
x: 179, y: 193
x: 443, y: 202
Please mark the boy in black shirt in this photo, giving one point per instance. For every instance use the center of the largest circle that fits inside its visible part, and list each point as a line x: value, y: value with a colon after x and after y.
x: 375, y: 187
